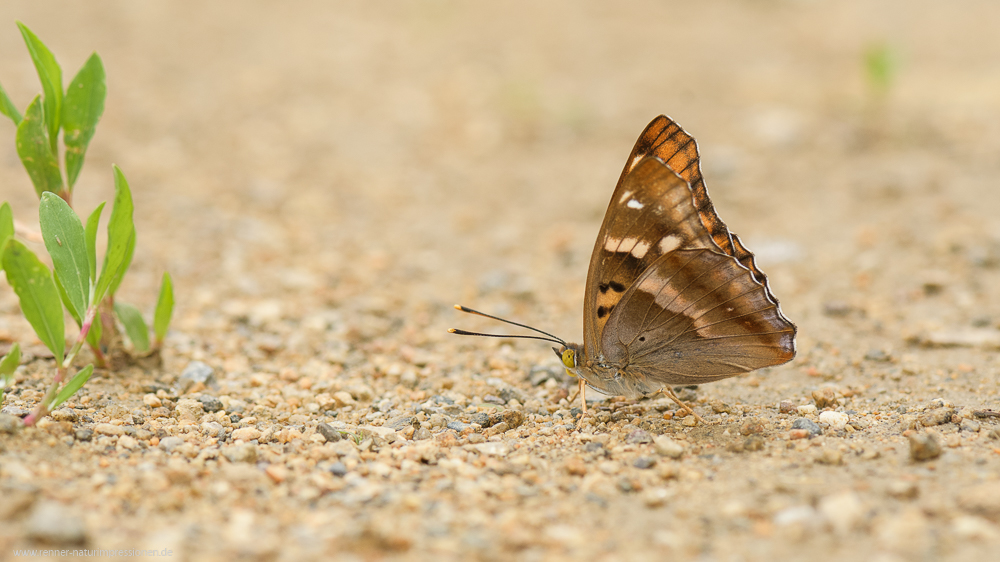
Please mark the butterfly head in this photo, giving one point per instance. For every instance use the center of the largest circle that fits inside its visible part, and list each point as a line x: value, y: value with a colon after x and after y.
x: 570, y: 355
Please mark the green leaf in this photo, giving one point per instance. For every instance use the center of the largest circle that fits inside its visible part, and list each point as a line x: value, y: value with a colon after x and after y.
x: 67, y: 303
x: 129, y: 252
x: 38, y: 295
x: 6, y: 226
x: 81, y: 111
x: 66, y: 242
x: 121, y: 233
x: 37, y: 156
x: 164, y: 308
x: 8, y: 108
x: 70, y: 388
x: 51, y: 77
x: 92, y: 223
x: 8, y: 365
x: 135, y: 326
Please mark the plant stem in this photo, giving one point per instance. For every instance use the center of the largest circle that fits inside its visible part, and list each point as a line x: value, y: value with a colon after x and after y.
x: 42, y: 409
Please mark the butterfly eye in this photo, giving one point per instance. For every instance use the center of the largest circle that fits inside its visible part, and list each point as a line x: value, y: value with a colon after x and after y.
x: 569, y: 359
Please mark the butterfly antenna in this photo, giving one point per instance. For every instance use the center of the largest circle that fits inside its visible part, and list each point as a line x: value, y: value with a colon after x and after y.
x: 550, y: 337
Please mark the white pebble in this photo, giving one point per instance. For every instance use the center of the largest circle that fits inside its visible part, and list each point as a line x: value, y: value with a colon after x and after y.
x: 807, y: 409
x: 836, y: 420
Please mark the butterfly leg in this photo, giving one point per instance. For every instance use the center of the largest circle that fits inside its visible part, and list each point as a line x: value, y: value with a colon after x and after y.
x: 669, y: 393
x: 582, y: 392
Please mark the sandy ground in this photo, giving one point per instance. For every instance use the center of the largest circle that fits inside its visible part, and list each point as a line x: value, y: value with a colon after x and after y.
x: 324, y: 183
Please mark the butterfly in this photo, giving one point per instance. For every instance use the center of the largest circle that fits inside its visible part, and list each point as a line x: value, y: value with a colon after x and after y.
x: 672, y: 296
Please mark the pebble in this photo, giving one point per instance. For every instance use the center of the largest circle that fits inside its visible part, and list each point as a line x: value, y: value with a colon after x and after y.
x: 844, y: 511
x: 575, y: 466
x: 246, y: 434
x: 108, y: 429
x: 924, y: 446
x: 970, y: 425
x: 639, y: 436
x: 752, y: 426
x: 830, y: 456
x: 195, y: 372
x: 54, y: 523
x: 836, y: 420
x: 337, y: 469
x: 170, y: 443
x: 935, y: 417
x: 64, y: 414
x: 807, y: 409
x: 786, y: 407
x: 84, y: 434
x: 644, y: 462
x: 421, y: 434
x: 982, y: 500
x: 825, y: 397
x: 246, y: 452
x: 808, y: 425
x: 902, y: 489
x: 667, y: 447
x: 9, y: 423
x: 152, y: 400
x: 328, y: 432
x: 458, y: 426
x: 210, y: 403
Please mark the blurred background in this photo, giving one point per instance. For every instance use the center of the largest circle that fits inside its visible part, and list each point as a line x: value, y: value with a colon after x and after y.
x: 389, y: 160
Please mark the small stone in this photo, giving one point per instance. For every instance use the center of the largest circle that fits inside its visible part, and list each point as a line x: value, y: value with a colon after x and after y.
x: 825, y: 397
x: 491, y: 399
x: 482, y: 419
x: 195, y: 372
x: 831, y: 457
x: 64, y: 414
x: 152, y: 401
x: 127, y: 442
x: 170, y: 443
x: 337, y: 469
x: 210, y: 403
x: 786, y: 407
x: 458, y: 426
x: 689, y: 421
x: 753, y: 443
x: 970, y: 425
x: 328, y: 432
x: 246, y: 452
x: 807, y: 409
x: 901, y: 489
x: 639, y: 436
x: 878, y: 355
x: 667, y: 447
x: 924, y: 446
x: 844, y: 511
x: 720, y: 407
x: 836, y: 420
x: 246, y: 434
x: 9, y: 423
x: 752, y: 426
x: 188, y: 410
x: 85, y: 434
x: 799, y: 434
x: 14, y: 411
x: 575, y: 466
x: 808, y: 425
x: 342, y: 399
x: 54, y: 523
x: 513, y: 418
x: 276, y: 472
x: 656, y: 497
x: 108, y: 429
x: 421, y: 434
x: 644, y: 462
x: 475, y: 438
x: 969, y: 527
x: 935, y: 417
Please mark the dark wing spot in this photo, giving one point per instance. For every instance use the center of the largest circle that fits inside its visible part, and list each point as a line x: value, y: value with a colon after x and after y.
x: 603, y: 311
x: 617, y: 287
x: 642, y: 338
x: 603, y: 287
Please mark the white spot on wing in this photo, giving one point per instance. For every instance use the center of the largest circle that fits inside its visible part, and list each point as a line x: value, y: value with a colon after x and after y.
x: 631, y: 245
x: 634, y: 204
x: 624, y: 196
x: 635, y: 161
x: 669, y: 243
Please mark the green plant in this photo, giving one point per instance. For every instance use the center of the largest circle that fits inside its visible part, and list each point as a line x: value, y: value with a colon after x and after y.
x: 8, y: 365
x: 881, y: 67
x: 75, y: 283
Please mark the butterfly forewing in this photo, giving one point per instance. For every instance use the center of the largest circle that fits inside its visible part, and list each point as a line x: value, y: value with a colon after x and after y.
x: 650, y: 214
x: 666, y: 140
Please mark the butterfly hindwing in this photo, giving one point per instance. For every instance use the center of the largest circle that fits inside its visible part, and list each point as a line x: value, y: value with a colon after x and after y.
x: 692, y: 317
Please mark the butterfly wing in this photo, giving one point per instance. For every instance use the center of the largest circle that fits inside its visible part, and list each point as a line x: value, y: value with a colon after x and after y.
x: 695, y: 316
x: 651, y: 213
x: 666, y: 140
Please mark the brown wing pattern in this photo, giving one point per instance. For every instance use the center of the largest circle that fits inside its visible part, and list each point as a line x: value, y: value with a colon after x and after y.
x: 695, y: 316
x: 666, y: 140
x: 651, y: 213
